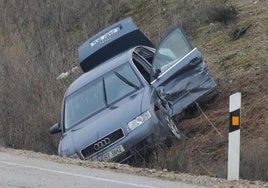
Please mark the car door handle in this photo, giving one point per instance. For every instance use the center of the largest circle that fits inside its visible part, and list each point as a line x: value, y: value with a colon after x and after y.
x: 196, y: 61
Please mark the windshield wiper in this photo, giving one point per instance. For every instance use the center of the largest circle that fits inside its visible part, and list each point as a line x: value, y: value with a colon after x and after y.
x: 126, y: 80
x: 104, y: 93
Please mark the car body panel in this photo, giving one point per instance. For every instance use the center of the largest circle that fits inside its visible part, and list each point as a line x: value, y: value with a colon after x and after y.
x: 184, y: 83
x: 184, y: 77
x: 98, y: 123
x: 119, y: 37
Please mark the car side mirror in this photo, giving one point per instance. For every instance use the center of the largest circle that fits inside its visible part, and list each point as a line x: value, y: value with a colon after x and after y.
x: 55, y: 129
x: 157, y: 73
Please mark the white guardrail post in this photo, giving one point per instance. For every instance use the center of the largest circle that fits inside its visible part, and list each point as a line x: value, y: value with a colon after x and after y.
x: 234, y: 136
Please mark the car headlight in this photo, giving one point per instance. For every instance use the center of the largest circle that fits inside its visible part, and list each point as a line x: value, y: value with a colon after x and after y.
x: 138, y: 121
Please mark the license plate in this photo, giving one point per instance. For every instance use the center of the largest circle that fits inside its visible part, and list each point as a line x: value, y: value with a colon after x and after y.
x: 111, y: 154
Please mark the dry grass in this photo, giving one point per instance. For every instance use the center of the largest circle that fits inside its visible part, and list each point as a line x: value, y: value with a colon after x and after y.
x: 254, y: 160
x: 39, y: 40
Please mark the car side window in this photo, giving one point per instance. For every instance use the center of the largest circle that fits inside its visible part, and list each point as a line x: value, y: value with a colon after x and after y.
x: 140, y: 66
x: 171, y: 50
x: 147, y: 54
x: 143, y: 58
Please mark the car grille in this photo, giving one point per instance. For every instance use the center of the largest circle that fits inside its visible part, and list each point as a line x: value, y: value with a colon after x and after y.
x: 102, y: 143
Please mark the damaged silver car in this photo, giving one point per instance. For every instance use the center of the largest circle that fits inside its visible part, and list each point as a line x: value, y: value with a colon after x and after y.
x: 130, y: 93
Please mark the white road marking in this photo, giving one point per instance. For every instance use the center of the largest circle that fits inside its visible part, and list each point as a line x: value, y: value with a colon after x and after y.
x: 76, y: 175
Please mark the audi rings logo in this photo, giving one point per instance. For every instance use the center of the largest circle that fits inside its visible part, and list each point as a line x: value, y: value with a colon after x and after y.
x: 101, y: 144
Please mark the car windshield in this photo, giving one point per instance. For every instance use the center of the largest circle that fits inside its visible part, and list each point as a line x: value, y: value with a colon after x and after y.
x: 99, y: 94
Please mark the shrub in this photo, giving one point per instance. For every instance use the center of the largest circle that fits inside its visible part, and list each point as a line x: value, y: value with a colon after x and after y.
x: 254, y: 161
x: 219, y: 12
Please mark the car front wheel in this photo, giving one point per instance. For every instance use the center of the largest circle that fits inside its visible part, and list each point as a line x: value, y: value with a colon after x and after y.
x: 172, y: 126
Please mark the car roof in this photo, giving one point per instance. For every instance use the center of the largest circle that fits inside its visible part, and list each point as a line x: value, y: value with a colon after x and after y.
x: 122, y: 58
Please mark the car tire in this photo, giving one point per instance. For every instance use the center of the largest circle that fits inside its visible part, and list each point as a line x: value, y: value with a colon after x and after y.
x: 172, y: 126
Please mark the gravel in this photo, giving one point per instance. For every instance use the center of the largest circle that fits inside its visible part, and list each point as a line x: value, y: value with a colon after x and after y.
x: 123, y: 168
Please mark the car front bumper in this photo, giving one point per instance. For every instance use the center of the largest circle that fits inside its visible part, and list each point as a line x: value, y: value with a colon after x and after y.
x: 140, y: 139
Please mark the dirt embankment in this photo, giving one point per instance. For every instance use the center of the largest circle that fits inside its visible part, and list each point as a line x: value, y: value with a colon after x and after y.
x: 237, y: 57
x: 39, y: 41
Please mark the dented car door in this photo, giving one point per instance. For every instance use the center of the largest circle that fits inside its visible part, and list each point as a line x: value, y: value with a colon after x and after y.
x: 179, y: 73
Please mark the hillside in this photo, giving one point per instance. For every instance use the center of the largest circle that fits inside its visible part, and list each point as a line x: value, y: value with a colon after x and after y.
x: 39, y: 40
x: 239, y: 65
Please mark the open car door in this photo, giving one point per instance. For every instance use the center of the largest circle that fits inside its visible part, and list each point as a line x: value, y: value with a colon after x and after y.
x: 179, y: 73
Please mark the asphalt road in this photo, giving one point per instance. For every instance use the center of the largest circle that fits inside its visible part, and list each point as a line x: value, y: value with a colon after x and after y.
x: 19, y: 171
